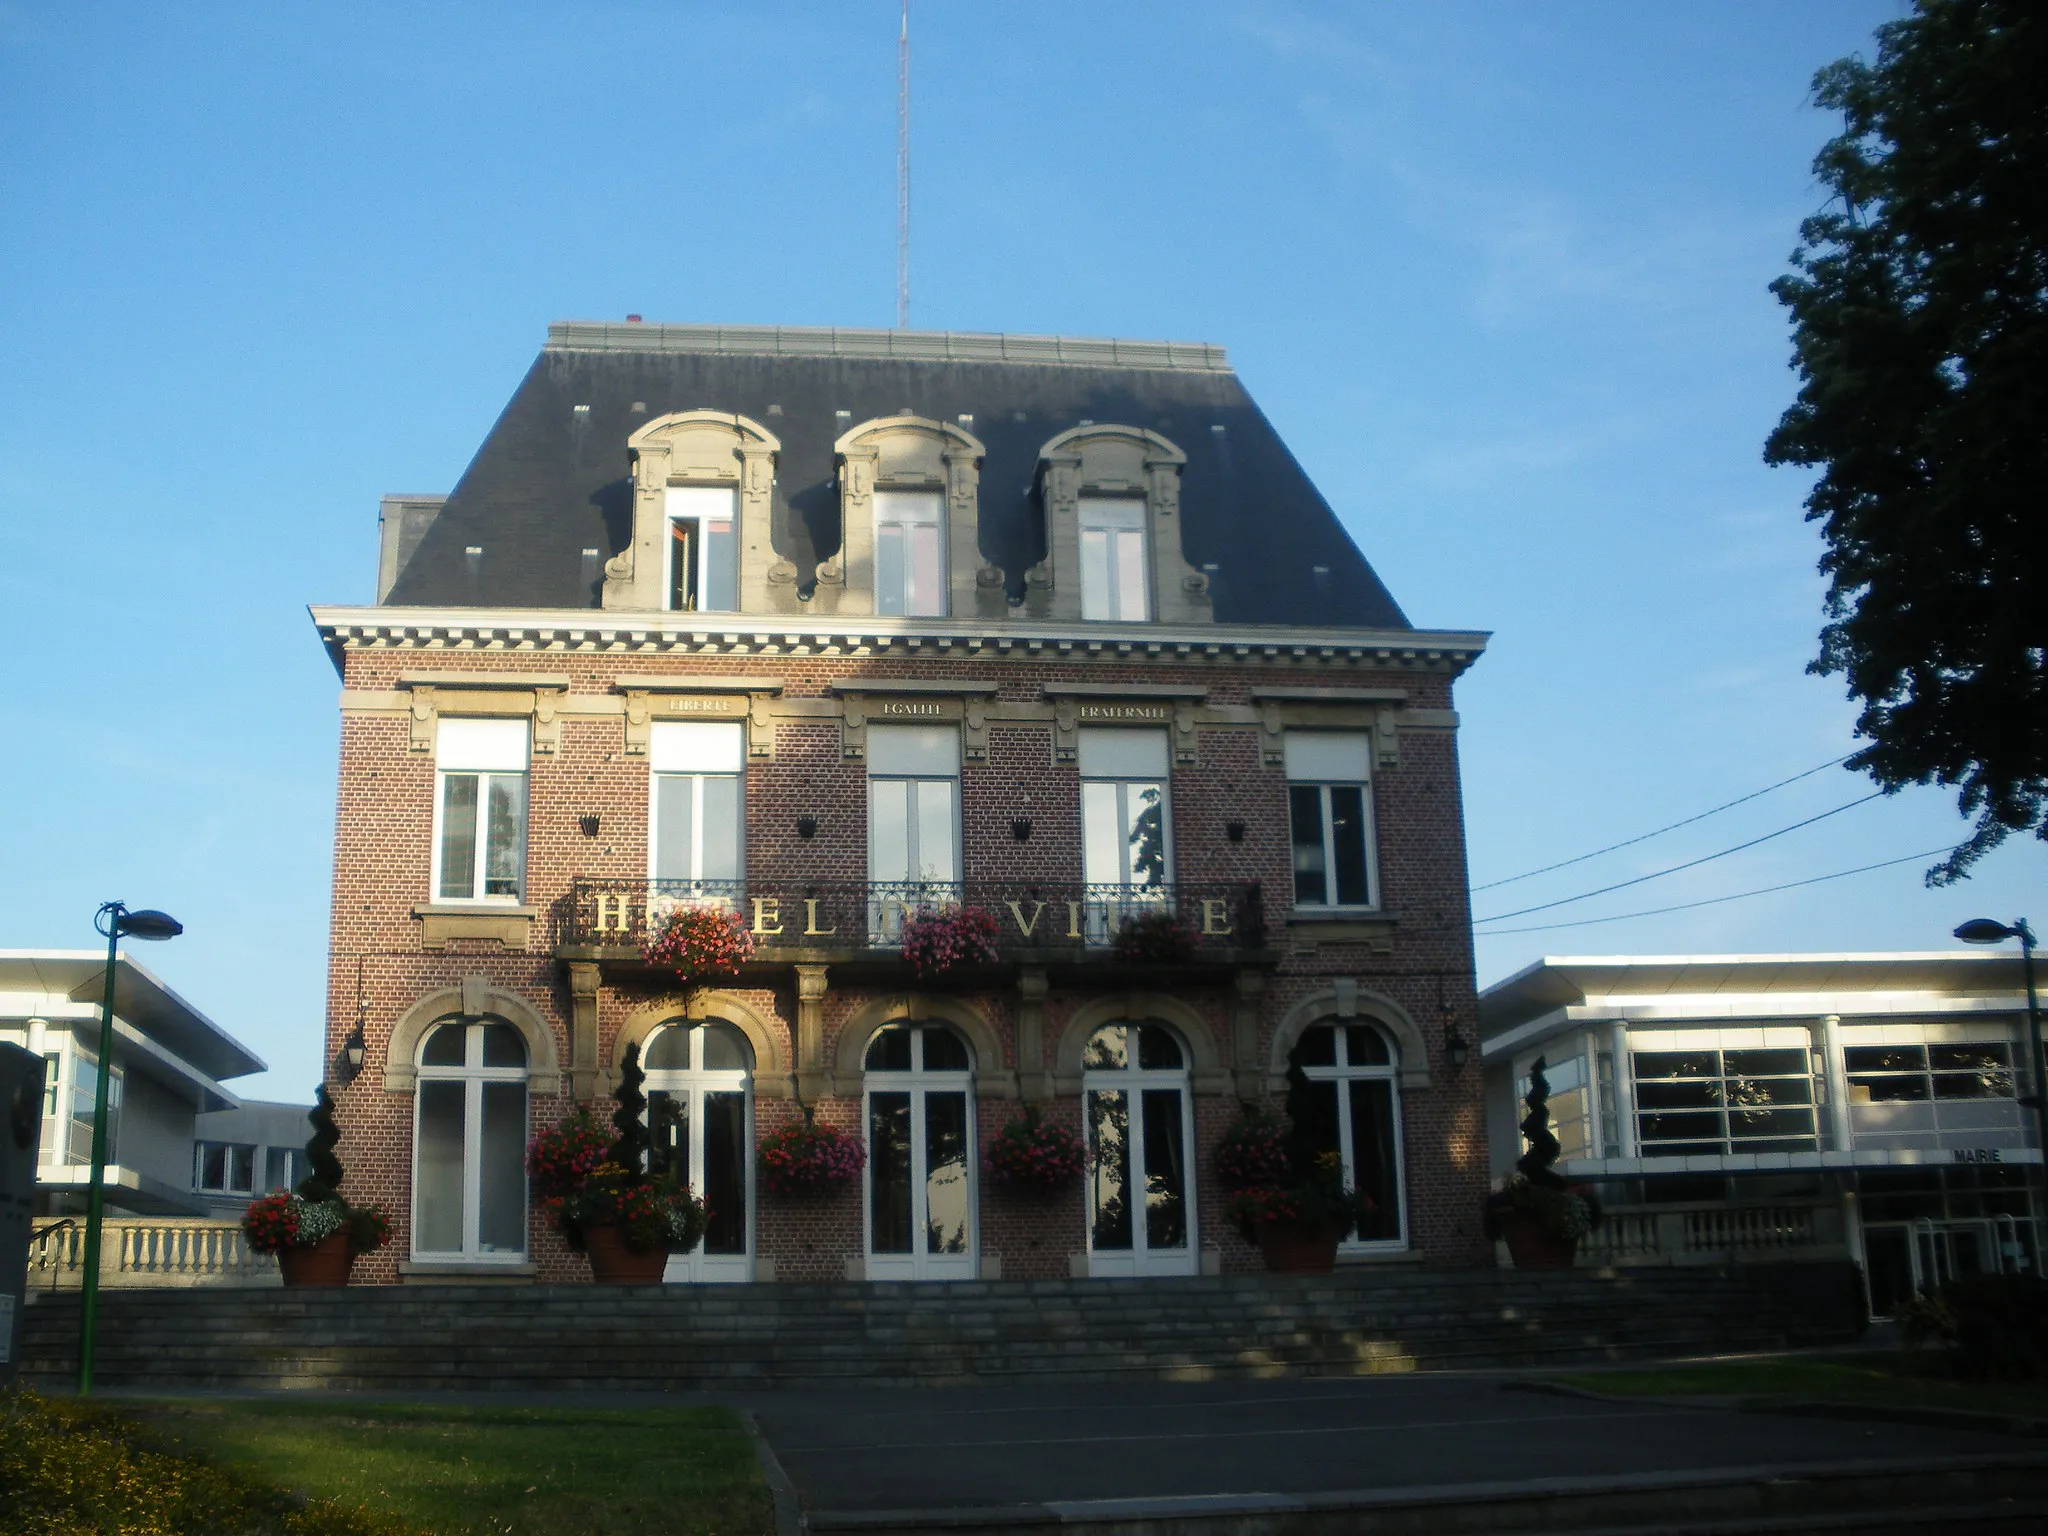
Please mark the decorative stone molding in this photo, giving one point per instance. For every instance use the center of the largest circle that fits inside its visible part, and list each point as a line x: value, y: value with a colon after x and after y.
x: 992, y: 1079
x: 701, y: 448
x: 1112, y: 460
x: 773, y: 1078
x: 537, y: 697
x: 910, y: 453
x: 1205, y: 1063
x: 476, y: 996
x: 1344, y: 1002
x: 1245, y: 1000
x: 586, y: 1078
x: 1034, y: 1083
x: 508, y: 926
x: 913, y: 701
x: 651, y: 697
x: 813, y: 1081
x: 1173, y: 705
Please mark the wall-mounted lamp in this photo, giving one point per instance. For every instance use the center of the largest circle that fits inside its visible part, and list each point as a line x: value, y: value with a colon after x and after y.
x: 1020, y: 828
x: 1457, y: 1050
x: 354, y: 1050
x: 589, y: 825
x: 1234, y: 830
x: 807, y: 827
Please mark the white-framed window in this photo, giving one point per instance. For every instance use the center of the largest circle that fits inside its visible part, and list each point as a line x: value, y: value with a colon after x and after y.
x: 224, y: 1168
x: 920, y: 1186
x: 85, y: 1071
x: 1115, y: 580
x: 284, y: 1167
x: 469, y: 1142
x: 480, y: 810
x: 1126, y: 821
x: 700, y: 1119
x: 1329, y: 805
x: 1353, y: 1106
x: 1721, y: 1091
x: 1920, y: 1085
x: 53, y: 1071
x: 913, y: 822
x: 696, y: 818
x: 703, y: 564
x: 910, y: 552
x: 1139, y: 1116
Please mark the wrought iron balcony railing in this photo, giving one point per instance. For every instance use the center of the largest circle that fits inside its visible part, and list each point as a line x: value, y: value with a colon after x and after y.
x: 1031, y: 915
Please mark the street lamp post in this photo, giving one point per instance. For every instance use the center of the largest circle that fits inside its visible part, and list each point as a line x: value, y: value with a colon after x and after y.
x: 116, y: 922
x: 1987, y: 930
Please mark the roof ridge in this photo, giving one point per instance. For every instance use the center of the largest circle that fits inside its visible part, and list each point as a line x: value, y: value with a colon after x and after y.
x: 908, y: 346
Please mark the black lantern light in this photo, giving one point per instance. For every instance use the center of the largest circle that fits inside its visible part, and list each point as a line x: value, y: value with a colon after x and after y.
x: 807, y: 827
x: 1234, y: 830
x: 1020, y: 828
x: 589, y: 825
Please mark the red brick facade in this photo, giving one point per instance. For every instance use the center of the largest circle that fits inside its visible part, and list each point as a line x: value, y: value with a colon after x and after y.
x: 1410, y: 968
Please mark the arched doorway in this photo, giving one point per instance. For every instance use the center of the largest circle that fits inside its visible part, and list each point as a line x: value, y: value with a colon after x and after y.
x: 921, y: 1154
x: 700, y: 1125
x: 1353, y: 1107
x: 1139, y: 1115
x: 469, y: 1143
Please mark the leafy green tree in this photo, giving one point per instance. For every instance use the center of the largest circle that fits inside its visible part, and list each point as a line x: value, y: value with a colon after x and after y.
x: 1919, y: 303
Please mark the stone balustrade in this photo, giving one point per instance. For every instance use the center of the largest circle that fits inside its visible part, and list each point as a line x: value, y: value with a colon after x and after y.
x: 173, y: 1251
x: 1713, y: 1233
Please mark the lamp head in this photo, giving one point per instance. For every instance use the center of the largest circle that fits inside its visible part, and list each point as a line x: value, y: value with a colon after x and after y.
x: 1985, y: 930
x: 148, y: 925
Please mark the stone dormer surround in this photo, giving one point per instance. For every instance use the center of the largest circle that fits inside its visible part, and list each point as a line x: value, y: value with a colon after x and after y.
x: 1110, y: 460
x: 701, y: 448
x: 911, y: 453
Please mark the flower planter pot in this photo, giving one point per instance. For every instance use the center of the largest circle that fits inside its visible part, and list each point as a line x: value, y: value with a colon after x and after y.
x: 323, y: 1263
x: 1530, y: 1246
x: 613, y: 1263
x: 1292, y: 1250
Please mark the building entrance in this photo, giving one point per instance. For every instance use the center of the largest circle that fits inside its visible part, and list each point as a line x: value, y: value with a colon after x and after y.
x: 920, y: 1102
x: 700, y: 1114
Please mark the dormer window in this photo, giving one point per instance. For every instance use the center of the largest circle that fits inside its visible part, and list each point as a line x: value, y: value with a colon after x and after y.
x: 910, y: 552
x: 1115, y: 572
x: 703, y: 548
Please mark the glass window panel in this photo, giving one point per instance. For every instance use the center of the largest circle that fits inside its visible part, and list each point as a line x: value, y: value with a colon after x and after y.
x: 725, y: 1172
x: 668, y: 1050
x: 674, y: 833
x: 1779, y: 1063
x: 437, y: 1169
x: 1679, y: 1095
x: 212, y: 1163
x: 889, y: 1051
x: 1373, y: 1168
x: 501, y: 1170
x: 1317, y: 1120
x: 726, y: 1049
x: 1166, y: 1174
x: 1885, y: 1058
x: 1987, y: 1057
x: 1743, y: 1123
x: 1902, y: 1089
x: 458, y: 836
x: 242, y: 1170
x: 668, y: 1133
x: 1146, y: 806
x: 721, y: 839
x: 1317, y: 1046
x: 927, y: 575
x: 682, y: 565
x: 1347, y: 832
x: 1158, y: 1051
x: 889, y: 830
x: 721, y: 566
x: 892, y: 569
x: 1102, y: 834
x: 1096, y: 589
x: 889, y: 1172
x: 504, y: 1046
x: 945, y: 1179
x: 1305, y: 812
x: 1677, y: 1127
x: 505, y: 857
x: 277, y: 1168
x: 936, y: 837
x: 1109, y: 1171
x: 1366, y: 1047
x: 444, y: 1045
x: 944, y: 1051
x: 1108, y: 1049
x: 1131, y: 604
x: 1678, y: 1064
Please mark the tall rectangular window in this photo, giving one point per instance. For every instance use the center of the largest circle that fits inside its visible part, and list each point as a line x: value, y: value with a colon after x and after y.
x: 1115, y: 583
x: 85, y: 1071
x: 480, y: 810
x: 910, y: 552
x: 695, y: 833
x: 1329, y: 805
x: 913, y: 822
x: 1126, y: 828
x: 224, y: 1168
x: 703, y: 548
x: 1694, y: 1096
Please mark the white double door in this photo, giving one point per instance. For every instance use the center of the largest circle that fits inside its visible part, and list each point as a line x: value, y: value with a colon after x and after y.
x: 921, y: 1183
x: 1140, y: 1191
x: 701, y: 1129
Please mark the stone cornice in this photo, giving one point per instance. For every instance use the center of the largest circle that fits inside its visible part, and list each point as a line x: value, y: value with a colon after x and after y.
x: 914, y: 346
x: 586, y: 631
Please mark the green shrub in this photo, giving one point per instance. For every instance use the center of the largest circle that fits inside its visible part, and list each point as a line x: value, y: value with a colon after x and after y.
x: 2000, y: 1327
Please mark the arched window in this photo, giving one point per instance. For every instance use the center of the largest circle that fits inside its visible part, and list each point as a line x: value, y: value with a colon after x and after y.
x: 1354, y: 1106
x: 700, y: 1115
x: 1140, y: 1120
x: 469, y: 1142
x: 921, y: 1174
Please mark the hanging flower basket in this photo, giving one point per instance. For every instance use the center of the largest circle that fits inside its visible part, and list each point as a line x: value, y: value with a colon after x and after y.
x: 935, y: 941
x: 1155, y: 938
x: 1035, y: 1156
x: 315, y: 1240
x: 810, y: 1159
x: 1253, y: 1152
x: 562, y: 1160
x: 701, y: 943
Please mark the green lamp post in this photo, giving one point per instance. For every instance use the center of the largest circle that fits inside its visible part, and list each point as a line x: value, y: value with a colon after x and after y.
x: 115, y: 921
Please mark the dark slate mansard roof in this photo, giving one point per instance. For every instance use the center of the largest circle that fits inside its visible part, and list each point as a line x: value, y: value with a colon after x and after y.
x: 552, y: 481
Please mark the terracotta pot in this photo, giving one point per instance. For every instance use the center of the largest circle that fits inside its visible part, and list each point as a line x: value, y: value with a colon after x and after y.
x: 1530, y: 1246
x: 1293, y: 1250
x: 323, y: 1263
x: 613, y: 1263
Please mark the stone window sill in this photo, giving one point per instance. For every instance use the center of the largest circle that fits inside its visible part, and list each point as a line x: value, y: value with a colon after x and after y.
x: 507, y: 924
x: 1335, y: 925
x: 448, y: 1270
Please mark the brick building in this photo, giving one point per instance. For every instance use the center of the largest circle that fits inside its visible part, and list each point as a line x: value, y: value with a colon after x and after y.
x: 834, y: 627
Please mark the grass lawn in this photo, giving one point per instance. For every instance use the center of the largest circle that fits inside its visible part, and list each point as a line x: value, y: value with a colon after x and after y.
x: 1892, y: 1379
x: 459, y: 1471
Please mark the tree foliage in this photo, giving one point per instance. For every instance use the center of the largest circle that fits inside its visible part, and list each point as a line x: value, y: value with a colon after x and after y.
x: 629, y: 1125
x: 1919, y: 303
x: 324, y: 1172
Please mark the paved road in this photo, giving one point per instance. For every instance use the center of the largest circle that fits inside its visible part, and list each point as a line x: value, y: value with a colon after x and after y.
x: 910, y: 1449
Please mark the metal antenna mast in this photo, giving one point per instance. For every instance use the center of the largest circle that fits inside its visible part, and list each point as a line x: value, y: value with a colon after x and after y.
x: 903, y: 172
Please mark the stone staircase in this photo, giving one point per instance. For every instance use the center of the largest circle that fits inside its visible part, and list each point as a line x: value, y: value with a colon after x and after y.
x: 651, y: 1338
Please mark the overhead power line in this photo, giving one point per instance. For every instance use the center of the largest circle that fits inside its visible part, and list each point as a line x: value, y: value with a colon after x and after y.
x: 1631, y: 842
x: 1715, y: 901
x: 1622, y: 885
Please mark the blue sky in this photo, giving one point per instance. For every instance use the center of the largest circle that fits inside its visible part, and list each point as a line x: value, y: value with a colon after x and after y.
x: 1496, y: 271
